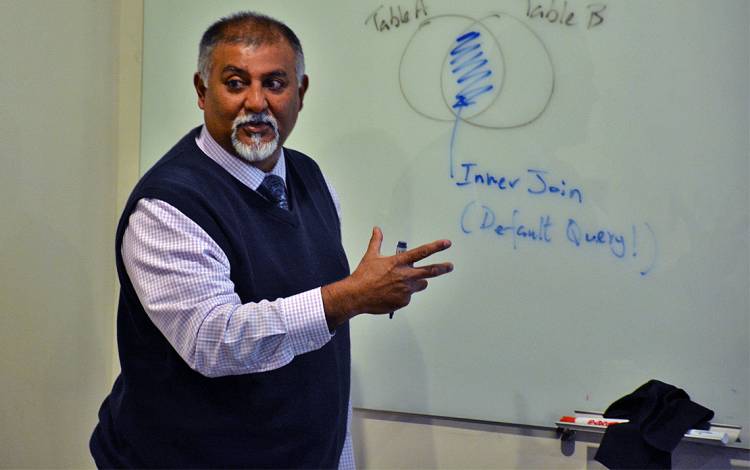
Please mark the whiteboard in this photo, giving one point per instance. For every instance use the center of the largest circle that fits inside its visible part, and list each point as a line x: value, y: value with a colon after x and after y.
x: 589, y: 161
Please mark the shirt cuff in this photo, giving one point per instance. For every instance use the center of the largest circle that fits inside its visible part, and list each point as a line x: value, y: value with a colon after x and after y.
x: 306, y: 321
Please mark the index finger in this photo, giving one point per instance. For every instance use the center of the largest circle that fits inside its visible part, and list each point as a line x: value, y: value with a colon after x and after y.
x: 421, y: 252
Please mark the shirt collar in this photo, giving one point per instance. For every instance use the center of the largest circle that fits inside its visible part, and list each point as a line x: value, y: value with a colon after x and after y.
x: 242, y: 170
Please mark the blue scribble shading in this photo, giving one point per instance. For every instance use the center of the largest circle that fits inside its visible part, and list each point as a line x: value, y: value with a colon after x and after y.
x: 472, y: 72
x: 472, y: 69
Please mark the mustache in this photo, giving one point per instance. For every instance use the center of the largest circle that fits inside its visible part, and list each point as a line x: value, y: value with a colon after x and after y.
x: 255, y: 118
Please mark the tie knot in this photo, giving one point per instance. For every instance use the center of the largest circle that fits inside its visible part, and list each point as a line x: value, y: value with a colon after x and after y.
x: 274, y: 189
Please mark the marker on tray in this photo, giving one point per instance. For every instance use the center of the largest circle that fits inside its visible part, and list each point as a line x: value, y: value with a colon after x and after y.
x: 595, y: 421
x: 400, y: 248
x: 592, y: 421
x: 713, y: 435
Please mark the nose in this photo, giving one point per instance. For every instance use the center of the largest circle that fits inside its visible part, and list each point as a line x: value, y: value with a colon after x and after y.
x: 255, y: 99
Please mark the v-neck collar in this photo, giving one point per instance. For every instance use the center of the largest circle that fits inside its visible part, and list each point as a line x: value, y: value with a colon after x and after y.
x: 250, y: 176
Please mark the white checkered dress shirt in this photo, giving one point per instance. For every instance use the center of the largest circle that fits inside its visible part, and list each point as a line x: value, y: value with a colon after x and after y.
x: 182, y: 279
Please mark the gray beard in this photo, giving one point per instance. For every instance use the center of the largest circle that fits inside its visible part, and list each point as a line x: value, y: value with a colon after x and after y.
x: 255, y: 151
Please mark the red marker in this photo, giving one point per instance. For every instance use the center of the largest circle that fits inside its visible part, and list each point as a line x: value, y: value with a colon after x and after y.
x: 592, y: 421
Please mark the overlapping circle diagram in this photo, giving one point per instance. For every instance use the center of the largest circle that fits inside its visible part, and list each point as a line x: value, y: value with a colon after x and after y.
x: 518, y: 88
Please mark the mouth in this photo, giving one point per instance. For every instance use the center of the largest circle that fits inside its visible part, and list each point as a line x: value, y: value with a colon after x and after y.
x: 257, y: 127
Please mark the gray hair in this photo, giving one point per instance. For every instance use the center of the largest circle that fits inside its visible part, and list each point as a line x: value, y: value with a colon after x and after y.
x: 251, y: 29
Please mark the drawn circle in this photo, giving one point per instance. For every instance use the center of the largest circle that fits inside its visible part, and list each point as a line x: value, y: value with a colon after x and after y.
x: 524, y: 74
x: 529, y: 80
x: 421, y: 63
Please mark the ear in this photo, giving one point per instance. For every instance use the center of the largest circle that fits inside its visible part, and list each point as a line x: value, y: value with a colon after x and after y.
x: 200, y: 88
x: 302, y: 90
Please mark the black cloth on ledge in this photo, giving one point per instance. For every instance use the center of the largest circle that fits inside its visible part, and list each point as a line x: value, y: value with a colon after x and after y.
x: 660, y: 414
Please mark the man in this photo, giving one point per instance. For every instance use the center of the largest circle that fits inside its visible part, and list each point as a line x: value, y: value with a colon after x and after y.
x: 235, y: 290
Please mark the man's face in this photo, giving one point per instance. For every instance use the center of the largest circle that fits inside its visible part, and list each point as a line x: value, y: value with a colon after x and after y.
x: 252, y: 97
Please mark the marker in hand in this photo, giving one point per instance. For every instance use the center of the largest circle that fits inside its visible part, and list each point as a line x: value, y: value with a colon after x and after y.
x: 400, y: 248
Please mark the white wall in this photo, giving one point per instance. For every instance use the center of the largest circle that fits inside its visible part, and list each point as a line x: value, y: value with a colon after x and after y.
x: 57, y: 186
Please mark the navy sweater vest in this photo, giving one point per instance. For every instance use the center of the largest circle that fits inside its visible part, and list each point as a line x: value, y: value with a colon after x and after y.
x: 161, y: 413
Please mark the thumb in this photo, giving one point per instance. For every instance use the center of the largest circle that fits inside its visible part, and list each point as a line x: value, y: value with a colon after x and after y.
x: 376, y: 240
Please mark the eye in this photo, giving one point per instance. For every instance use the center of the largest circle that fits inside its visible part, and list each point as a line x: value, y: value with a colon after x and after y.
x: 275, y: 84
x: 235, y: 84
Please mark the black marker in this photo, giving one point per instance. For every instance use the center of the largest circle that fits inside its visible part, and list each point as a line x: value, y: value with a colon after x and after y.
x: 400, y: 248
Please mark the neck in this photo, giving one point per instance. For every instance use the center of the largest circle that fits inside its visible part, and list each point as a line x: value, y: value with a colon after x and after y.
x: 266, y: 165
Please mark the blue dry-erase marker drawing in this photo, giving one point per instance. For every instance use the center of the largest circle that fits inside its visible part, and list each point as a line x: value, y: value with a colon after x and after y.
x: 400, y: 248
